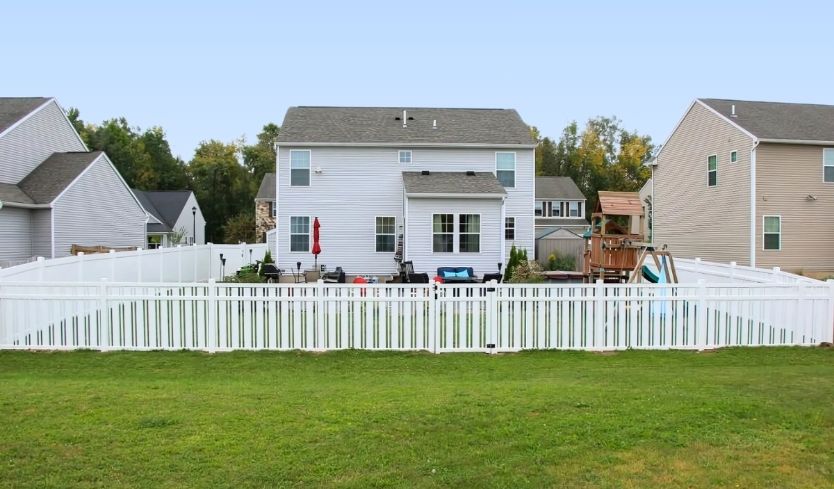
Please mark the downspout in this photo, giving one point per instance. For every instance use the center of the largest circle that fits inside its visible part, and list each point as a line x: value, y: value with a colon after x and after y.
x: 277, y: 207
x: 503, y: 227
x: 753, y: 203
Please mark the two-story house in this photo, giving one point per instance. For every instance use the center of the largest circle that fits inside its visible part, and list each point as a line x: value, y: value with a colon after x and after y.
x: 54, y: 192
x: 265, y: 208
x: 174, y: 218
x: 456, y: 184
x: 559, y: 205
x: 750, y: 182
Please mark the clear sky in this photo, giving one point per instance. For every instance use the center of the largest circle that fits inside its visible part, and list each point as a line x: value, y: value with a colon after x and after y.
x: 212, y: 70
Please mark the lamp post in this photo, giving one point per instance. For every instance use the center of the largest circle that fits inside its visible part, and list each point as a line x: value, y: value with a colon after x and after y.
x: 194, y: 226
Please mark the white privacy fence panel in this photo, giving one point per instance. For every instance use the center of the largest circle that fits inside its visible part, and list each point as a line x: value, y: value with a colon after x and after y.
x: 179, y: 264
x: 691, y: 271
x: 438, y: 318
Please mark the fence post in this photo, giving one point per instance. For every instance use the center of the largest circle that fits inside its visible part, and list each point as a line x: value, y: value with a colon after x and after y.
x: 112, y: 258
x: 492, y: 316
x: 139, y: 261
x: 194, y: 254
x: 41, y: 268
x: 212, y: 315
x: 776, y: 271
x: 319, y: 340
x: 702, y: 314
x: 733, y: 272
x: 104, y: 320
x: 80, y: 266
x: 433, y: 322
x: 210, y: 259
x: 829, y: 335
x: 179, y: 263
x: 599, y: 312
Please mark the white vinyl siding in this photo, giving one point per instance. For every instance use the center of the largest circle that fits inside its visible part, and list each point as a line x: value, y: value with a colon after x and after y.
x: 113, y: 219
x: 772, y: 233
x: 386, y: 232
x: 828, y: 165
x: 15, y: 235
x: 26, y: 146
x: 505, y: 168
x: 300, y: 234
x: 300, y: 167
x: 41, y: 232
x: 186, y: 222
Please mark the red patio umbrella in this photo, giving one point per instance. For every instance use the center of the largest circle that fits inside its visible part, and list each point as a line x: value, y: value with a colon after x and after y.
x: 316, y: 245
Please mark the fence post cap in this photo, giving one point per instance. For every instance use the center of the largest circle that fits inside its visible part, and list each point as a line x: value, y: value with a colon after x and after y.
x: 600, y: 281
x: 40, y: 260
x: 179, y: 246
x: 320, y: 281
x: 111, y: 251
x: 732, y: 263
x: 698, y: 260
x: 212, y: 281
x: 776, y: 269
x: 80, y: 253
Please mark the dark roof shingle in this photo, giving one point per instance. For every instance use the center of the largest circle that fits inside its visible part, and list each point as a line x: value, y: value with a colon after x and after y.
x: 378, y: 125
x: 51, y: 177
x: 165, y: 205
x: 557, y: 188
x: 451, y: 183
x: 267, y: 188
x: 10, y: 192
x: 12, y: 109
x: 778, y: 120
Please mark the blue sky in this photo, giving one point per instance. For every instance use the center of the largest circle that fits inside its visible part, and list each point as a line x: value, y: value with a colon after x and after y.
x: 223, y: 70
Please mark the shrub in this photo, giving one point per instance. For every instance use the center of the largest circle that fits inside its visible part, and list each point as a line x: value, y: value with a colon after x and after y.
x: 527, y: 272
x: 564, y: 263
x: 244, y: 277
x: 517, y: 256
x: 268, y: 257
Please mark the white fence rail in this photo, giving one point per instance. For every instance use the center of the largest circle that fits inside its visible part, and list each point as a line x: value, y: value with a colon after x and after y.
x: 438, y: 318
x: 179, y: 264
x: 690, y: 271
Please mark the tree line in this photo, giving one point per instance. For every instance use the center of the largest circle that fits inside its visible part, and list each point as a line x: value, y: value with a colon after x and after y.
x: 224, y: 176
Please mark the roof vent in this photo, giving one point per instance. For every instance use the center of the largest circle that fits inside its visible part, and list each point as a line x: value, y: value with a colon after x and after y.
x: 434, y: 124
x: 470, y: 173
x: 410, y: 118
x: 425, y: 172
x: 398, y: 118
x: 733, y: 111
x: 405, y: 118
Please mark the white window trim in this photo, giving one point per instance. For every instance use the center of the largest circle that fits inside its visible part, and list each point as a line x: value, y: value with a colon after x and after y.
x: 824, y: 165
x: 454, y: 224
x: 578, y: 209
x: 764, y: 217
x: 515, y: 166
x: 542, y: 208
x: 458, y: 233
x: 410, y: 157
x: 710, y: 171
x: 731, y: 157
x: 506, y: 227
x: 394, y: 234
x: 309, y: 167
x: 309, y: 233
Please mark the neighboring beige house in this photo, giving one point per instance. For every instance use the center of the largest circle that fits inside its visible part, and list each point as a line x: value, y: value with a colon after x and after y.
x: 750, y: 182
x: 265, y: 211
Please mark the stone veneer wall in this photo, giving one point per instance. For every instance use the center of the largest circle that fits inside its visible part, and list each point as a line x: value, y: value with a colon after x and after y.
x: 263, y: 219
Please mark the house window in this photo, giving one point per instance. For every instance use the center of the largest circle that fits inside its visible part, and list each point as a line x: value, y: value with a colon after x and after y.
x: 733, y: 156
x: 539, y: 208
x: 828, y: 164
x: 712, y: 171
x: 509, y: 228
x: 555, y: 209
x: 772, y: 238
x: 470, y: 233
x: 574, y: 208
x: 385, y: 234
x: 300, y: 233
x: 300, y: 168
x: 505, y: 169
x: 405, y: 156
x: 443, y: 233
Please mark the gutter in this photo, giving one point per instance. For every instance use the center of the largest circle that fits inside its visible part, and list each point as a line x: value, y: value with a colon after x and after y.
x: 753, y: 202
x: 810, y: 142
x: 407, y: 144
x: 20, y: 205
x: 453, y: 196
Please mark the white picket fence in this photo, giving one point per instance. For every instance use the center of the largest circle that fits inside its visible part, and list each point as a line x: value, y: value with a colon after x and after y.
x: 171, y: 265
x: 439, y: 318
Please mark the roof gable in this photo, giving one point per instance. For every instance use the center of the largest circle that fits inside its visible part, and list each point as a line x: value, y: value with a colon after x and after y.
x: 267, y: 188
x: 557, y: 188
x: 165, y: 205
x: 14, y: 109
x: 778, y: 120
x: 423, y: 126
x: 46, y: 182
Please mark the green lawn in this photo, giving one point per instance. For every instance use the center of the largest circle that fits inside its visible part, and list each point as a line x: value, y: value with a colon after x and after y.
x: 732, y: 418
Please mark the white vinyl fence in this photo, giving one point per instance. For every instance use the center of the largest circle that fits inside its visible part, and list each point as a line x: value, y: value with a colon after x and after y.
x: 180, y: 264
x: 690, y: 271
x: 438, y: 318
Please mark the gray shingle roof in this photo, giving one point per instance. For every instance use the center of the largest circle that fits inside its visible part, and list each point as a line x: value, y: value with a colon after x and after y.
x: 379, y: 125
x: 562, y: 221
x: 12, y: 109
x: 267, y: 188
x: 165, y: 205
x: 451, y: 183
x: 778, y: 120
x: 10, y: 192
x: 557, y: 188
x: 52, y: 176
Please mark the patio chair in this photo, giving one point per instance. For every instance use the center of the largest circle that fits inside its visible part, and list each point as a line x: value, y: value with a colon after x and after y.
x: 492, y: 276
x: 271, y: 272
x: 335, y: 277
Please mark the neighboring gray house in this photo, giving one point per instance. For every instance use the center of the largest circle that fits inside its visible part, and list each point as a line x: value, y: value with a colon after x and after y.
x: 54, y: 193
x: 559, y: 205
x: 456, y: 184
x: 175, y: 218
x: 265, y: 208
x: 750, y: 182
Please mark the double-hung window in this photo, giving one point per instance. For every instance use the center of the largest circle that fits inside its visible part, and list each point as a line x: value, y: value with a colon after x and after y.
x: 574, y: 208
x: 733, y: 156
x: 712, y: 171
x: 470, y: 233
x: 539, y: 208
x: 443, y: 233
x: 385, y: 234
x: 509, y: 228
x: 828, y: 165
x: 300, y: 233
x: 300, y: 168
x: 772, y: 233
x: 405, y: 156
x: 505, y: 168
